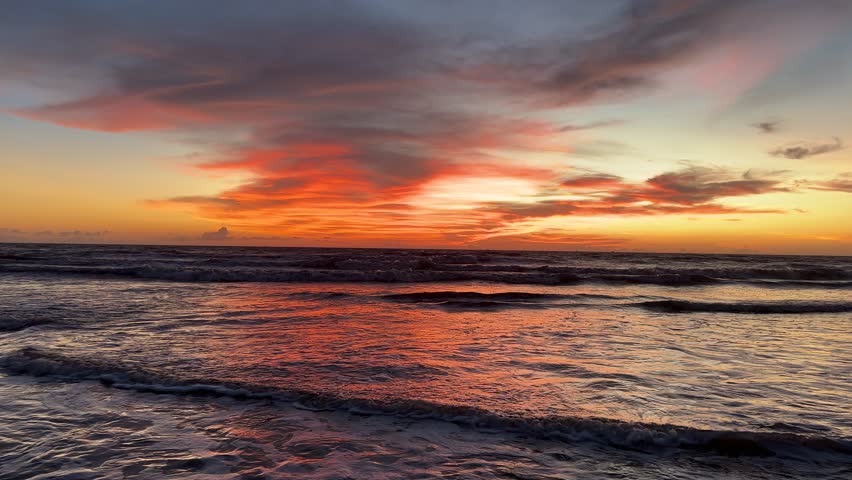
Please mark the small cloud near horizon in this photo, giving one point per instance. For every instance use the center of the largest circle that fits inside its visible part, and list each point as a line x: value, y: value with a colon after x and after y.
x: 17, y: 234
x: 221, y: 234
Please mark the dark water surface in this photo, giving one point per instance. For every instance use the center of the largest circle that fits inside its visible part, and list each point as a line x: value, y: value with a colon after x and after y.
x: 197, y: 362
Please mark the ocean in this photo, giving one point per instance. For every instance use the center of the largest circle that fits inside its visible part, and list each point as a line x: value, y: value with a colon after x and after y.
x: 144, y: 362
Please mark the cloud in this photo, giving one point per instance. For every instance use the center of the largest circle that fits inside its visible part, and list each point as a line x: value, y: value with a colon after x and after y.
x: 767, y: 126
x: 553, y: 239
x: 698, y: 185
x: 691, y: 190
x: 79, y: 233
x: 466, y: 204
x: 841, y: 183
x: 592, y: 181
x: 15, y: 234
x: 601, y: 149
x: 365, y: 67
x: 221, y: 234
x: 589, y: 126
x: 385, y: 108
x: 802, y: 150
x: 625, y: 59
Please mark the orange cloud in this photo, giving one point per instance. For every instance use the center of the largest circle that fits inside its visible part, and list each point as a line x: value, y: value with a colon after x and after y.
x: 463, y: 203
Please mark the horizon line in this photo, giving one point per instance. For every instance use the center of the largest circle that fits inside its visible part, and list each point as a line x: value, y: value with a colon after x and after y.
x: 205, y: 245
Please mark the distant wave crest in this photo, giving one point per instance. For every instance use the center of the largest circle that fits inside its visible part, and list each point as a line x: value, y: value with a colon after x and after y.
x: 512, y: 274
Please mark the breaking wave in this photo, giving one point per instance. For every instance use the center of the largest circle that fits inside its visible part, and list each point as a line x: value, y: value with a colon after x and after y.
x: 617, y: 433
x: 678, y: 306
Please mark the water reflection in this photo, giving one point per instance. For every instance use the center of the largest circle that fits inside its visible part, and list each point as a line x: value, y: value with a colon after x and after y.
x: 583, y: 359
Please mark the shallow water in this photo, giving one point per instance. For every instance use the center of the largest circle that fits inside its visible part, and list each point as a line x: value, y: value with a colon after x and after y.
x: 141, y: 362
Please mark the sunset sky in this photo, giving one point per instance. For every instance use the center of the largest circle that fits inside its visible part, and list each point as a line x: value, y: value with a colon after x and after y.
x: 671, y: 125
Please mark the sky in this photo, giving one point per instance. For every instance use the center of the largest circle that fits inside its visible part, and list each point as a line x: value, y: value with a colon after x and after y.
x: 652, y: 125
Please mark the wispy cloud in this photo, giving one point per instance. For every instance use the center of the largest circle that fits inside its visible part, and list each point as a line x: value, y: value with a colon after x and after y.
x: 841, y: 183
x: 589, y: 126
x: 802, y: 150
x: 691, y: 190
x: 592, y: 181
x: 16, y: 234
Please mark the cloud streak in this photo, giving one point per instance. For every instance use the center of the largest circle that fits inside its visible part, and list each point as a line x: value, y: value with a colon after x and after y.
x: 86, y: 236
x: 841, y: 183
x: 691, y: 190
x: 802, y: 150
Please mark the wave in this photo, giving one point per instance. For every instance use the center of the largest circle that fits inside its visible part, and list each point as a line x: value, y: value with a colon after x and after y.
x: 405, y: 260
x: 618, y: 433
x: 487, y: 305
x: 196, y: 274
x: 410, y: 266
x: 177, y: 273
x: 804, y: 283
x: 16, y: 257
x: 468, y: 263
x: 684, y: 306
x: 17, y: 324
x: 443, y: 296
x: 452, y: 300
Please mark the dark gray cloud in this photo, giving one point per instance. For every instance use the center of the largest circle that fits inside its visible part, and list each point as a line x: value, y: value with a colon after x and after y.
x: 767, y: 126
x: 696, y: 185
x: 628, y: 54
x: 221, y: 234
x: 199, y: 61
x: 595, y: 180
x: 802, y: 150
x: 589, y: 126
